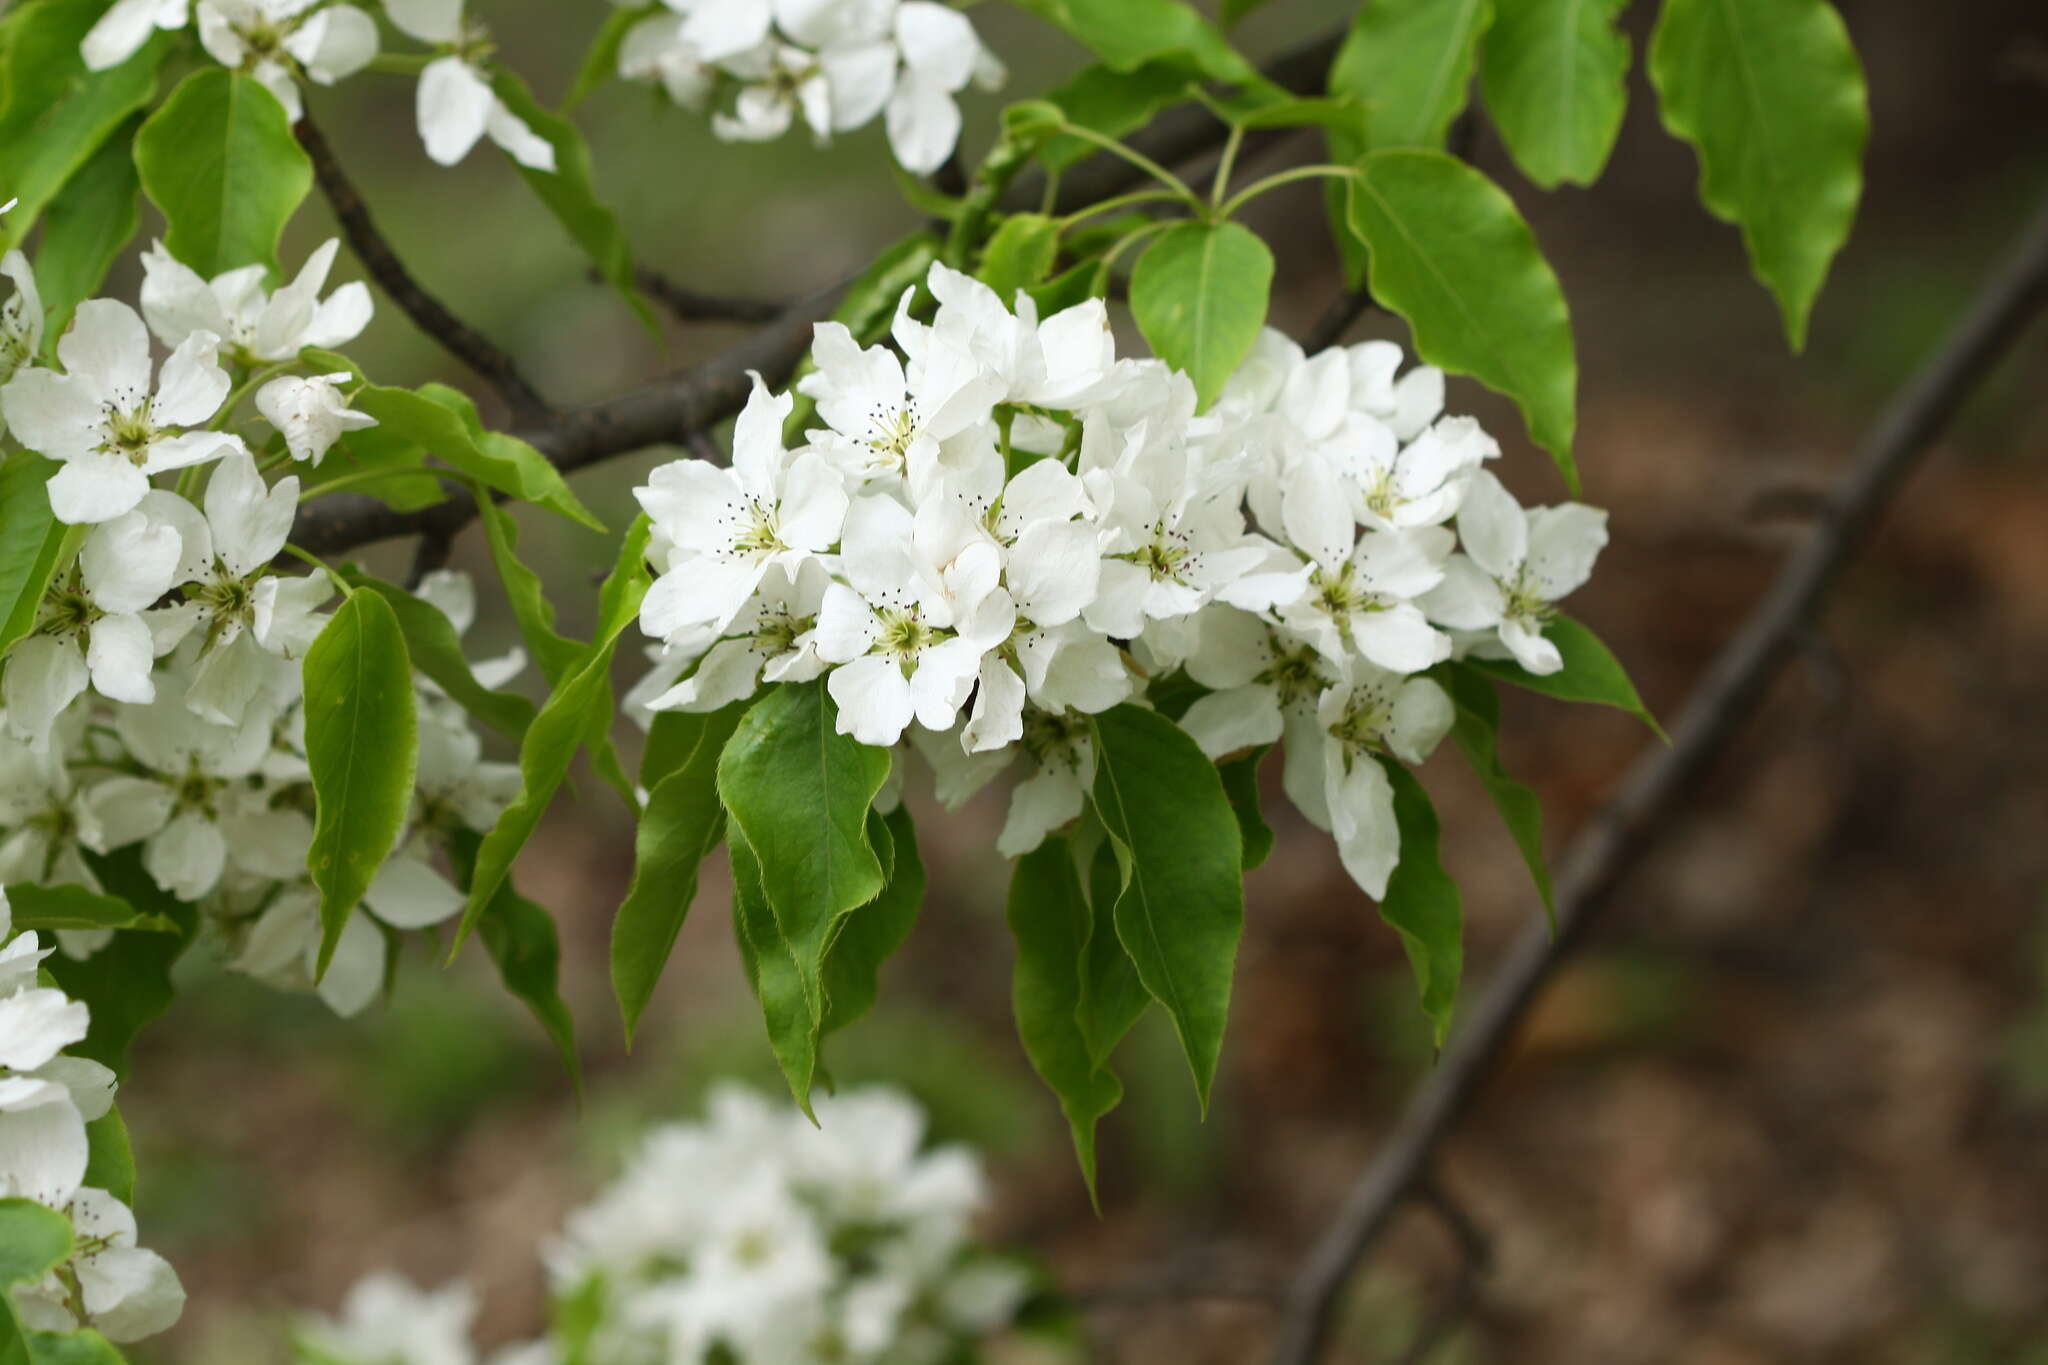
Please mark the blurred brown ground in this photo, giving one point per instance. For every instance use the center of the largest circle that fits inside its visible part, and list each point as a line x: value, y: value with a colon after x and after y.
x: 1787, y: 1107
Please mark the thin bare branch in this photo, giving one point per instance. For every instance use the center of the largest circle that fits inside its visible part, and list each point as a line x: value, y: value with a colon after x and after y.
x: 432, y: 316
x: 1615, y: 840
x: 688, y: 305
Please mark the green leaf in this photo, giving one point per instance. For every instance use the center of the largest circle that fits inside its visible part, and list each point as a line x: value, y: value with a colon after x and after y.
x: 110, y: 1158
x: 1126, y: 34
x: 1452, y: 256
x: 84, y: 228
x: 1199, y: 294
x: 83, y: 1347
x: 1591, y: 673
x: 1115, y: 102
x: 678, y: 829
x: 1772, y: 97
x: 54, y: 114
x: 1476, y: 732
x: 1234, y: 11
x: 436, y: 651
x: 376, y: 450
x: 1422, y: 902
x: 1180, y: 912
x: 31, y: 539
x: 1112, y: 996
x: 576, y: 713
x: 1411, y: 62
x: 800, y: 791
x: 46, y: 908
x: 1555, y: 73
x: 1052, y: 922
x: 769, y: 961
x: 219, y: 159
x: 362, y: 746
x: 556, y: 654
x: 126, y: 985
x: 873, y: 932
x: 1019, y: 254
x: 1241, y: 784
x: 570, y: 193
x: 520, y: 937
x: 601, y: 62
x: 33, y: 1240
x: 1343, y: 115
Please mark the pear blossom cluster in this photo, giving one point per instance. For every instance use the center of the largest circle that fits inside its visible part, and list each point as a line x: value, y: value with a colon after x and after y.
x: 47, y: 1098
x: 762, y: 66
x: 996, y: 528
x: 752, y: 1238
x: 282, y: 43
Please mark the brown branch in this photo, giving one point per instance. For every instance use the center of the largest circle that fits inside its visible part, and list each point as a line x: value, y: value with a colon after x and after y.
x: 432, y: 316
x: 1615, y: 840
x: 687, y: 305
x: 1475, y: 1258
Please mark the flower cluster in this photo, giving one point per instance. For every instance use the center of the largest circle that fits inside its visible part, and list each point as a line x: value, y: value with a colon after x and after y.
x: 835, y: 64
x: 751, y: 1238
x: 282, y: 42
x: 46, y: 1100
x: 1002, y: 528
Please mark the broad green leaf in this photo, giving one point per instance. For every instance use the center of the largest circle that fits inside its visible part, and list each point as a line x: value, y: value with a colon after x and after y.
x: 1115, y: 103
x: 1555, y: 75
x: 571, y: 195
x: 1772, y: 97
x: 83, y: 1347
x: 1199, y: 294
x: 54, y: 114
x: 618, y: 606
x: 1241, y: 784
x: 1340, y: 114
x: 556, y: 654
x: 1051, y: 921
x: 1591, y: 673
x: 47, y: 908
x: 1476, y: 732
x: 1112, y: 997
x: 1234, y: 11
x: 1453, y: 257
x: 679, y: 827
x: 1180, y: 911
x: 769, y: 961
x: 126, y: 984
x: 110, y: 1158
x: 362, y: 746
x: 601, y: 62
x: 1020, y: 254
x: 1422, y: 902
x: 800, y: 792
x: 34, y: 1240
x: 577, y: 712
x: 520, y: 937
x: 84, y: 228
x: 1410, y: 62
x: 391, y: 457
x: 436, y: 650
x: 1126, y: 34
x: 219, y: 159
x: 1076, y: 284
x: 30, y: 541
x: 873, y: 932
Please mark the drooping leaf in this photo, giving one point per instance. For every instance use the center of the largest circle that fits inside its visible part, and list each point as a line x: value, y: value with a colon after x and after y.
x: 1410, y: 62
x: 1772, y: 97
x: 85, y: 227
x: 54, y: 114
x: 1113, y: 998
x: 110, y: 1158
x: 1451, y: 255
x: 1235, y: 11
x: 82, y: 1347
x: 126, y: 985
x: 1476, y: 732
x: 601, y: 62
x: 770, y: 964
x: 800, y: 791
x: 30, y: 540
x: 219, y: 159
x: 1180, y: 910
x: 873, y: 932
x: 390, y: 457
x: 1199, y: 294
x: 1051, y: 921
x: 362, y: 746
x: 1591, y: 673
x: 1555, y: 75
x: 556, y: 654
x: 34, y: 1240
x: 436, y: 650
x: 48, y: 908
x: 679, y: 827
x: 571, y: 194
x: 1241, y: 784
x: 1422, y: 902
x: 1020, y: 254
x: 520, y: 937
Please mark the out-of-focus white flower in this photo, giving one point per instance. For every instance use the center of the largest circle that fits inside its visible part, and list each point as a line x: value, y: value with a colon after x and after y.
x: 311, y: 413
x: 127, y: 25
x: 277, y: 40
x: 456, y: 107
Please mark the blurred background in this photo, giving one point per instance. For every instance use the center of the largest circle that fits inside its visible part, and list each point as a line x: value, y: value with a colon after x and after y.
x: 1787, y: 1106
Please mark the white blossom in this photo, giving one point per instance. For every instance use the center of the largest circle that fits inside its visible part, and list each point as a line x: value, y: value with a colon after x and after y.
x: 127, y: 25
x: 255, y: 326
x: 277, y: 40
x: 1516, y: 566
x: 456, y: 106
x: 311, y: 413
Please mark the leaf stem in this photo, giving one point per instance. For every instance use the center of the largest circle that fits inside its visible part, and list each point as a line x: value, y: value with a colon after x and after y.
x: 1119, y: 202
x: 1287, y: 177
x: 1140, y: 160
